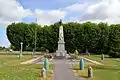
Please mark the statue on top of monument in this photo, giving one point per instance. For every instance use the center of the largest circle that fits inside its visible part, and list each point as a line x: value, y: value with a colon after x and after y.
x: 61, y: 30
x: 60, y: 21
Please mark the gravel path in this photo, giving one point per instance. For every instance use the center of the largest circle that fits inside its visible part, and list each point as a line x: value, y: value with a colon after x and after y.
x: 63, y: 70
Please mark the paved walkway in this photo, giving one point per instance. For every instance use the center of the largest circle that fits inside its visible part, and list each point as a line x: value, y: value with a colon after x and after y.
x: 63, y: 70
x: 95, y: 62
x: 35, y: 60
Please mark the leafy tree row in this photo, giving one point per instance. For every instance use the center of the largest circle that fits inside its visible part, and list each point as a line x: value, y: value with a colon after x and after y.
x: 86, y: 37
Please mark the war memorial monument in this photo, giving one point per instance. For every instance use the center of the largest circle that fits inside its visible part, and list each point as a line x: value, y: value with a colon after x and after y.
x: 61, y: 52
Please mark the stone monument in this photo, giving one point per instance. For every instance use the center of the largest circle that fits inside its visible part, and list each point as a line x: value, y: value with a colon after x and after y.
x: 61, y: 52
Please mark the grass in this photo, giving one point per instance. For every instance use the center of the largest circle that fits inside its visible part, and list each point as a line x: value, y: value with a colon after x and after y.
x: 109, y: 71
x: 11, y: 69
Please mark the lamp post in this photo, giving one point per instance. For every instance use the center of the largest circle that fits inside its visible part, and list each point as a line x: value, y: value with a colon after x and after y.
x: 34, y: 50
x: 35, y: 39
x: 20, y: 56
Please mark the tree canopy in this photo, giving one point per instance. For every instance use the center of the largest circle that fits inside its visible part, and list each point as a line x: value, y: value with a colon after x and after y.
x: 94, y: 38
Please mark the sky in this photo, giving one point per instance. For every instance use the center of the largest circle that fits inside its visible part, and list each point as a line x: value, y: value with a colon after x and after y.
x: 46, y: 12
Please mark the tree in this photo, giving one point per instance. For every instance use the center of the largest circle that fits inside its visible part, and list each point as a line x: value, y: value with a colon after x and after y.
x: 90, y: 33
x: 21, y: 32
x: 114, y: 41
x: 102, y: 38
x: 16, y: 33
x: 69, y: 36
x: 85, y: 37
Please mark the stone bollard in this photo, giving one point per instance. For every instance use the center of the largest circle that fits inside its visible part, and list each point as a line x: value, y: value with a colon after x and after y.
x: 43, y: 72
x: 102, y: 57
x: 90, y: 72
x: 81, y: 64
x: 46, y: 63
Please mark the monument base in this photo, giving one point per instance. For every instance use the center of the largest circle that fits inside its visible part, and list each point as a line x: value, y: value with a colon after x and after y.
x: 61, y: 54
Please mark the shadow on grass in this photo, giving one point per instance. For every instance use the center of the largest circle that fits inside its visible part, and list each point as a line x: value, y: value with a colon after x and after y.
x: 75, y: 68
x: 83, y: 76
x: 107, y: 57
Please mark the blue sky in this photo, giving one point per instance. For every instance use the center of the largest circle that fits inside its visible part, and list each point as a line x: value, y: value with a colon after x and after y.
x: 48, y: 4
x: 50, y: 11
x: 3, y: 37
x: 32, y: 5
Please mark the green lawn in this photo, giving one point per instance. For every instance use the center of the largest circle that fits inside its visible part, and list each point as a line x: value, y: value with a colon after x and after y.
x: 11, y: 69
x: 110, y: 70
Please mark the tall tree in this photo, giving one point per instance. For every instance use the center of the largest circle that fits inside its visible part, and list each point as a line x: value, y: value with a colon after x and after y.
x: 102, y: 38
x: 114, y: 41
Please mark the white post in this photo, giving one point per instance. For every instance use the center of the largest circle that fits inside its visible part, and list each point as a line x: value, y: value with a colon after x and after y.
x: 43, y: 72
x: 21, y: 47
x: 20, y: 56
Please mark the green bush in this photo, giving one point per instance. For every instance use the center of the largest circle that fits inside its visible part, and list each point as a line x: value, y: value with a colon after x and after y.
x: 76, y: 52
x: 114, y: 54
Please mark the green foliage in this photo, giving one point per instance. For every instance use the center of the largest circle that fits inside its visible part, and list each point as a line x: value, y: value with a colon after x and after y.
x: 90, y: 33
x: 91, y: 37
x: 103, y: 36
x: 3, y: 49
x: 76, y: 52
x: 114, y: 41
x: 21, y: 32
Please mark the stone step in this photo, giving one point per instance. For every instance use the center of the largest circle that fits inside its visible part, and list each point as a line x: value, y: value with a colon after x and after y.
x: 59, y: 57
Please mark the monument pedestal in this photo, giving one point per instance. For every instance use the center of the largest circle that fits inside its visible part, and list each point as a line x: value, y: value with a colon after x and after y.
x: 61, y: 52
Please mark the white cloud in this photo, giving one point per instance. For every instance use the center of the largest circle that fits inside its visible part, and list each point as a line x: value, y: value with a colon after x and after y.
x: 77, y: 7
x: 104, y: 10
x: 100, y: 10
x: 49, y: 16
x: 12, y: 11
